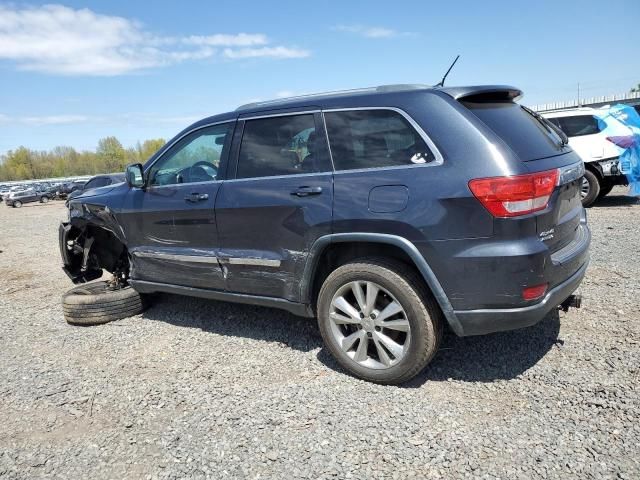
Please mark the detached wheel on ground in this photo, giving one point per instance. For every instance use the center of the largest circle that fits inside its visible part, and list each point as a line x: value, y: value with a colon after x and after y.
x: 378, y: 320
x: 95, y: 303
x: 590, y: 188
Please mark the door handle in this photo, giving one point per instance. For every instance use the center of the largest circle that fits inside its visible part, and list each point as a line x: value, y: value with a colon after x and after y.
x: 306, y: 191
x: 196, y: 197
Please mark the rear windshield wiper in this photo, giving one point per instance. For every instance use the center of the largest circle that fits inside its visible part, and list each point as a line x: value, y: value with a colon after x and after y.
x: 548, y: 126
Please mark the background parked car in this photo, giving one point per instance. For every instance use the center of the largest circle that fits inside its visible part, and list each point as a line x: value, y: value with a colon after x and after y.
x: 4, y: 190
x: 599, y: 152
x: 17, y: 198
x: 97, y: 182
x: 67, y: 188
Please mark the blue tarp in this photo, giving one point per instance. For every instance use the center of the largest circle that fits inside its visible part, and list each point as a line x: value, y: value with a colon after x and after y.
x: 623, y: 129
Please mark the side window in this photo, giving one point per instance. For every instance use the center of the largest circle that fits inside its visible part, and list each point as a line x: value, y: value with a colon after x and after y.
x: 373, y: 139
x: 280, y: 146
x: 579, y: 125
x: 195, y: 158
x: 91, y: 184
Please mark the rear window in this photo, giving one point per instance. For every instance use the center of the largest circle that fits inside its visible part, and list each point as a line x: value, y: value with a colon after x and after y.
x: 529, y: 137
x: 374, y: 138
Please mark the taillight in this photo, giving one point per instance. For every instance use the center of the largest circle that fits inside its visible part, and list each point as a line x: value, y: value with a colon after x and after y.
x: 623, y: 141
x: 517, y: 195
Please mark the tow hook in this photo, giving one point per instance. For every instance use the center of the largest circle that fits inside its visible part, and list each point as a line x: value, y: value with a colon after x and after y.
x: 574, y: 301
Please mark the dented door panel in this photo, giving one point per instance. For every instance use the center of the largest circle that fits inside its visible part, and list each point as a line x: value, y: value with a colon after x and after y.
x: 266, y: 232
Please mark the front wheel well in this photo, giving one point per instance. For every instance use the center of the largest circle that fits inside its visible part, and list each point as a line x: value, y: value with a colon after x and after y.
x: 108, y: 250
x: 93, y: 249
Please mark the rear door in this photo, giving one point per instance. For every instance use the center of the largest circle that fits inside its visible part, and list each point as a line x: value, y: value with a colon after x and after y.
x: 275, y: 205
x: 170, y: 225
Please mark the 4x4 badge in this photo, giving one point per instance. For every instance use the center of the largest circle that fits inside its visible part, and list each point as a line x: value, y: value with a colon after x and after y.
x: 547, y: 235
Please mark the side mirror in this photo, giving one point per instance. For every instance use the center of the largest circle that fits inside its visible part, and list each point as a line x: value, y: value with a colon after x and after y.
x: 135, y: 175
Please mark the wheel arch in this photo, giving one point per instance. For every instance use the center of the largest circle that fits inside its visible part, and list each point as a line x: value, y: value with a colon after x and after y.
x: 594, y: 168
x: 313, y: 267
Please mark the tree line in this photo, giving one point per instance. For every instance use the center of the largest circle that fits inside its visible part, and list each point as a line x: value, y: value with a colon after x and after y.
x: 110, y: 156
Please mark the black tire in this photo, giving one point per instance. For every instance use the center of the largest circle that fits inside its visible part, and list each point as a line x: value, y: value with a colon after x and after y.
x: 593, y: 189
x: 17, y: 204
x: 44, y: 199
x: 605, y: 188
x: 408, y: 288
x: 94, y: 304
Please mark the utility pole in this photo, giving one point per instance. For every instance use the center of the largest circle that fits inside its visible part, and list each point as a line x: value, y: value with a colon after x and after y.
x: 579, y: 101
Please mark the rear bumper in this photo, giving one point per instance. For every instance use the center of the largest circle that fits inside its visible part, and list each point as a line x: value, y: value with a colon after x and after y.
x: 483, y: 321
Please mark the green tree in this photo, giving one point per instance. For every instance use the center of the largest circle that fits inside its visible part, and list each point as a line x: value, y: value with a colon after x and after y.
x: 635, y: 89
x: 111, y: 153
x: 110, y: 156
x: 148, y: 148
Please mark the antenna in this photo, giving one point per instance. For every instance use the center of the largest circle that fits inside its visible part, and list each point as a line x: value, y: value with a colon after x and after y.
x: 441, y: 84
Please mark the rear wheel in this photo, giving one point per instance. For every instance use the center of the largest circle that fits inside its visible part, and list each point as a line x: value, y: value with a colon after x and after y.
x: 17, y: 204
x: 378, y: 321
x: 590, y: 188
x: 96, y: 303
x: 44, y: 199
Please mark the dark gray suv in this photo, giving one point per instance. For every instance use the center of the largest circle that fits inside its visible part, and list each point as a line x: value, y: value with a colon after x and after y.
x: 388, y: 213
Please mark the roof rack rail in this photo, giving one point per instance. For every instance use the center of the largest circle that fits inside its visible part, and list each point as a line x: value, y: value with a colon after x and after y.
x: 380, y: 88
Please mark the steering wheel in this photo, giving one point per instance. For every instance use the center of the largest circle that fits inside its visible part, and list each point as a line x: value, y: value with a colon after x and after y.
x: 198, y: 173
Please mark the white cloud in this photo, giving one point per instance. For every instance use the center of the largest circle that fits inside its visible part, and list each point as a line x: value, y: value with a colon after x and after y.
x: 273, y: 52
x: 54, y: 119
x: 119, y: 119
x: 370, y: 32
x: 220, y: 40
x: 39, y: 120
x: 62, y: 40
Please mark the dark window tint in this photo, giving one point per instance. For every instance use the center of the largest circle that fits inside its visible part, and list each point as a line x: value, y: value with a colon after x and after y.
x: 373, y: 139
x: 576, y: 126
x: 280, y: 146
x: 528, y: 136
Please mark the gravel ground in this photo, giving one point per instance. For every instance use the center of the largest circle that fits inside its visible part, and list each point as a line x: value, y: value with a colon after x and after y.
x: 203, y: 389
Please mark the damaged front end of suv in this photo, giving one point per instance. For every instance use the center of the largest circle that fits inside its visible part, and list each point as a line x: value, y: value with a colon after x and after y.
x: 92, y: 241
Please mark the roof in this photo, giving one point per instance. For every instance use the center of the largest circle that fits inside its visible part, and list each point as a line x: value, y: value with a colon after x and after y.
x: 572, y: 112
x: 321, y: 99
x: 362, y: 97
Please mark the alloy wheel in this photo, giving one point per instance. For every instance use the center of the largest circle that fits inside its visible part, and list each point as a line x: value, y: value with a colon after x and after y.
x: 369, y: 325
x: 584, y: 188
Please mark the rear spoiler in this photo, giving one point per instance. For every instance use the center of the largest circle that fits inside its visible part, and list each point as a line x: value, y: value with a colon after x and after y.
x: 484, y: 93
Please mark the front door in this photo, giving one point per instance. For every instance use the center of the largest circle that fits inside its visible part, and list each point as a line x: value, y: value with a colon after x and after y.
x: 170, y: 225
x: 277, y: 205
